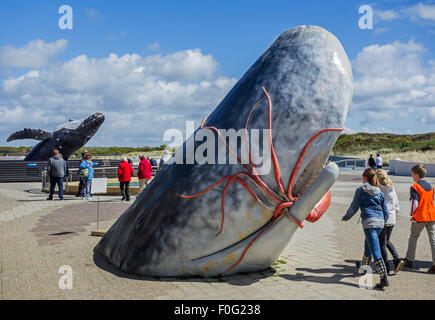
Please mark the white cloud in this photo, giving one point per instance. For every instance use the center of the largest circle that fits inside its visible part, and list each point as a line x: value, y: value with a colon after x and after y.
x: 393, y: 82
x: 154, y: 46
x: 421, y: 11
x: 429, y: 116
x: 92, y: 13
x: 35, y: 54
x: 387, y: 15
x: 117, y: 35
x: 140, y: 96
x: 417, y: 13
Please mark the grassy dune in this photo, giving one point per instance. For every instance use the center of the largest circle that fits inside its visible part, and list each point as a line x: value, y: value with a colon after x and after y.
x: 416, y: 147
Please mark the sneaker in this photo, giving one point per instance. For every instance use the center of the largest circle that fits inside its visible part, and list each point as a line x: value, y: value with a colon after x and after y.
x: 431, y: 269
x: 127, y: 200
x: 83, y: 198
x: 408, y: 263
x: 398, y: 265
x: 49, y: 198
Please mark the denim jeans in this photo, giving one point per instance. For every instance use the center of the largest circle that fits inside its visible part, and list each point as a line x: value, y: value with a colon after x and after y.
x: 86, y: 190
x: 371, y: 244
x: 53, y: 182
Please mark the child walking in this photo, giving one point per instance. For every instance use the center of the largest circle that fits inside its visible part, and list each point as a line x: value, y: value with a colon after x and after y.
x: 374, y: 214
x: 392, y: 201
x: 423, y: 214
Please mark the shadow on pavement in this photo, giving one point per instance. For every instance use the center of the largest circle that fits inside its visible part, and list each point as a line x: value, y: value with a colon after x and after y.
x: 241, y: 279
x: 419, y: 267
x: 339, y: 272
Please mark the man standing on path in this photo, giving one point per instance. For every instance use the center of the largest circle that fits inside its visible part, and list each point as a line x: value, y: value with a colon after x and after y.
x: 56, y: 170
x: 423, y: 214
x: 372, y: 163
x: 378, y: 161
x: 125, y: 171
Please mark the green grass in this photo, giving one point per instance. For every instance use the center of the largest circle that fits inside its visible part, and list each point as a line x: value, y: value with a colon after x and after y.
x: 359, y: 142
x: 95, y: 151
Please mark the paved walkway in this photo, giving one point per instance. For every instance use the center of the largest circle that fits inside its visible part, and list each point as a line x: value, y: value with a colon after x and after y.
x: 37, y: 237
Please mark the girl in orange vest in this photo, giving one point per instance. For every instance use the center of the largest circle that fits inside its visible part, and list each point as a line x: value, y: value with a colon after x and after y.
x: 423, y: 214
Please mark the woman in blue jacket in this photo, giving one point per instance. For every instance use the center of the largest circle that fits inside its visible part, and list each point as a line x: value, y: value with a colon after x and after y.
x: 374, y: 214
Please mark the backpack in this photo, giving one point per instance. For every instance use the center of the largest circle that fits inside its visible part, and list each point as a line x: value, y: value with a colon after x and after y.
x: 83, y: 172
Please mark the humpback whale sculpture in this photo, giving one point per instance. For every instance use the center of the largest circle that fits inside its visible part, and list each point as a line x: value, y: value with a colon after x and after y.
x: 67, y: 138
x: 220, y: 219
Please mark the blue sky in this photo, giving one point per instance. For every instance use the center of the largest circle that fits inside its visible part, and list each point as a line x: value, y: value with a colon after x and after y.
x: 72, y: 72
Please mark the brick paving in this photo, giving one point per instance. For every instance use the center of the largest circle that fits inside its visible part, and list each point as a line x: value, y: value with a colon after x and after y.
x: 37, y: 237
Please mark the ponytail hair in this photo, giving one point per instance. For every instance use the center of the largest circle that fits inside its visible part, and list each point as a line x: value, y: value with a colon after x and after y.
x: 383, y: 178
x: 371, y: 177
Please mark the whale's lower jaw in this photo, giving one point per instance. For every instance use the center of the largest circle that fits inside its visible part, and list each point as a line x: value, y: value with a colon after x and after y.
x: 270, y: 241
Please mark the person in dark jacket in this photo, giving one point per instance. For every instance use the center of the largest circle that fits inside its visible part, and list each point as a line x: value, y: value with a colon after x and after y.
x: 372, y: 162
x: 56, y: 170
x: 374, y: 214
x: 125, y: 171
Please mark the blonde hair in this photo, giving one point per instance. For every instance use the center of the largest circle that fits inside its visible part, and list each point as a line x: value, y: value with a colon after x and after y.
x: 383, y: 178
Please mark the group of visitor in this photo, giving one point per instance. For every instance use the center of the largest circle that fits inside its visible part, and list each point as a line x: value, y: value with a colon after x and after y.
x: 379, y: 206
x: 58, y: 171
x: 375, y: 163
x: 126, y: 171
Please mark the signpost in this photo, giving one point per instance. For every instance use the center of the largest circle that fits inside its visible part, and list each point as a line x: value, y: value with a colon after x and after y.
x: 99, y: 186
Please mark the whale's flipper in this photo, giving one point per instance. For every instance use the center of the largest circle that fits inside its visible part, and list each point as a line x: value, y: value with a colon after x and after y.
x: 35, y: 134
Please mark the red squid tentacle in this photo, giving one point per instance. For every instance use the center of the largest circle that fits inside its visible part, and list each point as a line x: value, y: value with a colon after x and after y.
x: 301, y: 157
x: 251, y: 243
x: 272, y: 150
x: 286, y: 205
x: 230, y: 181
x: 225, y: 142
x: 269, y: 190
x: 206, y: 190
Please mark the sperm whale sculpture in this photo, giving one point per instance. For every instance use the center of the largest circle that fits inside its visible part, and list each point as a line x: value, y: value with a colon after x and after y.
x: 67, y: 138
x: 220, y: 219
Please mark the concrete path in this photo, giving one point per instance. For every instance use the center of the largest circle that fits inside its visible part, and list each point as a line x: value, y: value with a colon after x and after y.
x: 39, y: 237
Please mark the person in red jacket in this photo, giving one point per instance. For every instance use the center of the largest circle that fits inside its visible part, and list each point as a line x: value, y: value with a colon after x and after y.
x: 144, y: 172
x: 125, y: 171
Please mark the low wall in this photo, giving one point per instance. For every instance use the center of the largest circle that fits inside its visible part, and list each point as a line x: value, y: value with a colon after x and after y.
x: 403, y: 168
x: 348, y: 162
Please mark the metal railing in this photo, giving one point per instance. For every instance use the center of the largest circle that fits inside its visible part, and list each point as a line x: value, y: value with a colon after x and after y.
x: 103, y: 172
